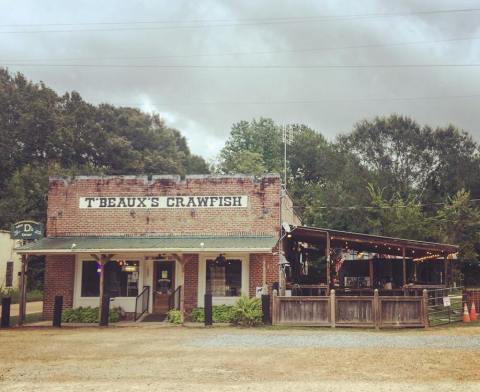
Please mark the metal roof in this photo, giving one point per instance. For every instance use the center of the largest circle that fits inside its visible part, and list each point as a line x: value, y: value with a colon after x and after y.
x: 369, y: 242
x: 48, y: 245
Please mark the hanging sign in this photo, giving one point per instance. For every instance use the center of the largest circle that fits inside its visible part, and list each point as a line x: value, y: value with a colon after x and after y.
x: 446, y: 302
x: 26, y: 230
x: 164, y: 202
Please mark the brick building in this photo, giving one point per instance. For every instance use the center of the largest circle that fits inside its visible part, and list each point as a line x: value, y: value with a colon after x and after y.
x: 162, y: 237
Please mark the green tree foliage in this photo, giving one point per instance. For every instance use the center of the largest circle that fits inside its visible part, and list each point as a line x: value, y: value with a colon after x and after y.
x: 44, y: 134
x: 389, y: 176
x: 460, y: 224
x: 253, y: 148
x: 398, y: 217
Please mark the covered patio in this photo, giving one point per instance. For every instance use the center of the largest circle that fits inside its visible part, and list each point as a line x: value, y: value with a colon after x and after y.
x: 355, y: 264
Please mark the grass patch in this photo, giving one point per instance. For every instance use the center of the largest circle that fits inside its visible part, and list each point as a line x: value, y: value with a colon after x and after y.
x: 29, y: 319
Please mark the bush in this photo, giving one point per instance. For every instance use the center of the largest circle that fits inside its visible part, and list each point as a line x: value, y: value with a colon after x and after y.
x: 220, y: 314
x: 174, y: 316
x: 89, y: 315
x: 247, y: 312
x: 14, y: 294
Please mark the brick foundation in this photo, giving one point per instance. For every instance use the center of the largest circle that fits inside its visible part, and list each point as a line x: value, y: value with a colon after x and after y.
x: 59, y: 279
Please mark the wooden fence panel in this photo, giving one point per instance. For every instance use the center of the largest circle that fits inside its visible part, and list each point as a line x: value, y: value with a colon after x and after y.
x: 354, y: 311
x: 401, y: 311
x: 350, y: 311
x: 302, y: 310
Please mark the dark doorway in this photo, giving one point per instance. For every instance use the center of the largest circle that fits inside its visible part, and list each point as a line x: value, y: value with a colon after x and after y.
x: 164, y: 285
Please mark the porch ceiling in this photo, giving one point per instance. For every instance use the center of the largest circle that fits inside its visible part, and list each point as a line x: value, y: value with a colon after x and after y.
x: 179, y: 244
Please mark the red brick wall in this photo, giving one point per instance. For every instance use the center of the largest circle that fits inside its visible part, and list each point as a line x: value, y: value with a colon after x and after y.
x: 59, y: 279
x: 191, y: 283
x: 256, y: 271
x: 65, y: 218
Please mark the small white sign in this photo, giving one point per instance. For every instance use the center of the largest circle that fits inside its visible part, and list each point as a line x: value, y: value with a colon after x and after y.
x: 259, y: 292
x: 224, y: 201
x: 446, y: 301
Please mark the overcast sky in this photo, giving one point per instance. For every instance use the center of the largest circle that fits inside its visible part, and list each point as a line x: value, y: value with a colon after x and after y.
x: 204, y: 102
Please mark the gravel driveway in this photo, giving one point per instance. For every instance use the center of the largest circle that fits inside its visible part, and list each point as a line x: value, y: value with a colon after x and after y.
x: 348, y: 339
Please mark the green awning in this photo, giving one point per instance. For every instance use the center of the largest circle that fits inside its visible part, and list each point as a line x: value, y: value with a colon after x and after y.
x: 49, y: 245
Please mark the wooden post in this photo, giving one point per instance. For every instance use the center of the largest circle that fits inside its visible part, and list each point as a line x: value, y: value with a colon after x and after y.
x: 264, y: 276
x: 327, y: 254
x: 266, y: 318
x: 332, y: 309
x: 376, y: 310
x: 23, y: 291
x: 370, y: 272
x: 5, y: 320
x: 425, y: 308
x: 101, y: 260
x: 445, y: 262
x: 57, y: 311
x: 404, y: 267
x: 274, y: 307
x: 208, y: 310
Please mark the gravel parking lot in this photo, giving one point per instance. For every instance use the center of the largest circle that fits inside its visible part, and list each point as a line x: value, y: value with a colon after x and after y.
x: 230, y: 359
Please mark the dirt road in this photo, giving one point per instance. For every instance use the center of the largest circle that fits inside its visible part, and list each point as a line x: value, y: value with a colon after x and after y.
x: 229, y: 359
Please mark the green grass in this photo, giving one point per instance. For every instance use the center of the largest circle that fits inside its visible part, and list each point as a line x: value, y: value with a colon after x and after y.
x: 29, y: 318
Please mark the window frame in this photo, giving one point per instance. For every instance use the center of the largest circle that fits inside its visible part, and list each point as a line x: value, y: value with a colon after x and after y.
x: 202, y: 277
x: 79, y: 273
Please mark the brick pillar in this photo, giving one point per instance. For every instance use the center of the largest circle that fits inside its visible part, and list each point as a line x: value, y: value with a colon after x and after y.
x: 256, y: 271
x: 191, y: 283
x: 59, y: 278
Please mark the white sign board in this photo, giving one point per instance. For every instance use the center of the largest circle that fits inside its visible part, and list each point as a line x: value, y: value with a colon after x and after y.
x: 446, y: 301
x: 228, y: 201
x: 259, y: 292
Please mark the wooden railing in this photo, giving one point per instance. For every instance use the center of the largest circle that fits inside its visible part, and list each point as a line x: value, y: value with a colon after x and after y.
x: 351, y: 311
x: 141, y: 303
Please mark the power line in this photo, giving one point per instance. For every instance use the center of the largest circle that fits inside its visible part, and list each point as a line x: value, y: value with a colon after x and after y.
x: 207, y: 23
x: 387, y: 207
x: 312, y: 101
x: 280, y: 19
x: 248, y: 66
x: 264, y: 52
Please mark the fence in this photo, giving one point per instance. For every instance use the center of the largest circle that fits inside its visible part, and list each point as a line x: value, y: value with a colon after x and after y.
x: 445, y: 305
x: 351, y: 311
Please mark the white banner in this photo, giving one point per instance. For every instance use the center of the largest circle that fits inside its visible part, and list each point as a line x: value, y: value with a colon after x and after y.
x: 164, y: 202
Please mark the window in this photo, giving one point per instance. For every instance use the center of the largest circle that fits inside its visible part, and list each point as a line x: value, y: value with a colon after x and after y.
x: 121, y: 278
x: 90, y: 279
x: 224, y: 277
x: 9, y: 274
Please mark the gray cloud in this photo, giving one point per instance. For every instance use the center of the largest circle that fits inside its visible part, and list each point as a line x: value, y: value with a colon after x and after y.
x: 180, y: 95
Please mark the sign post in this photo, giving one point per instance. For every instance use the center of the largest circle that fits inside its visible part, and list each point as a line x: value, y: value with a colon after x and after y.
x: 25, y: 231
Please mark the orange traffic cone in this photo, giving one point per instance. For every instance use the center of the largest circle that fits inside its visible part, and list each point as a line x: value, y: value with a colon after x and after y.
x: 473, y: 312
x: 466, y: 317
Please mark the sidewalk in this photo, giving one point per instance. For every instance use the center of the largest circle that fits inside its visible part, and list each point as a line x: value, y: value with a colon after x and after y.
x: 32, y: 307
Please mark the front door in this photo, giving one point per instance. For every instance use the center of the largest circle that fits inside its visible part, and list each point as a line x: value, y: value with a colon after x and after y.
x: 164, y: 285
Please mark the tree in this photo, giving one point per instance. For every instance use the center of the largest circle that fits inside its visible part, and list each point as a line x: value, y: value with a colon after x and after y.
x: 43, y: 134
x: 459, y: 221
x: 398, y: 217
x: 260, y: 140
x: 395, y: 150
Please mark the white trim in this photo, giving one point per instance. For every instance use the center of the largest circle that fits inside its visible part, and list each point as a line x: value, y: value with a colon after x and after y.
x: 202, y: 277
x: 126, y: 303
